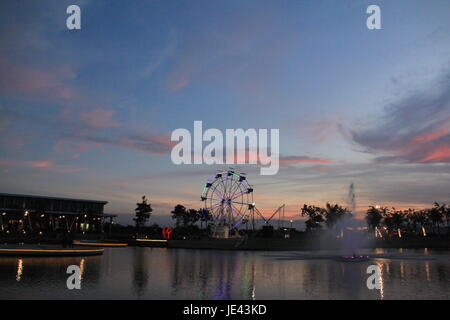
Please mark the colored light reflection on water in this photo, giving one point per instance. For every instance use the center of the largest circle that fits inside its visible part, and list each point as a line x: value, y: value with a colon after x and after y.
x: 156, y: 273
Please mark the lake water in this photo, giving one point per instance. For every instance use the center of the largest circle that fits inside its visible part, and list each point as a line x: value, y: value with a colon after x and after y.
x: 158, y: 273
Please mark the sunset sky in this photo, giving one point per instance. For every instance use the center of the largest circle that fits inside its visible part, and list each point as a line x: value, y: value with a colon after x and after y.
x: 88, y: 113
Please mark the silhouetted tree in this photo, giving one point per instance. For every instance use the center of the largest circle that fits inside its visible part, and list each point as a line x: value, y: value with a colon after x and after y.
x: 436, y: 215
x: 408, y: 219
x: 447, y: 217
x: 422, y: 218
x: 179, y: 213
x: 315, y: 217
x: 387, y: 218
x: 193, y: 216
x: 397, y: 218
x: 143, y: 212
x: 373, y: 217
x: 333, y: 214
x: 205, y: 217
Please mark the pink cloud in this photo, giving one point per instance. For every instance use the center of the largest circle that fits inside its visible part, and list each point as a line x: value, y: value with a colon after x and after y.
x: 432, y: 135
x: 41, y: 164
x: 46, y: 165
x: 99, y: 118
x: 428, y: 146
x: 287, y: 160
x: 438, y: 154
x: 86, y: 119
x: 415, y: 129
x: 28, y: 80
x: 179, y: 82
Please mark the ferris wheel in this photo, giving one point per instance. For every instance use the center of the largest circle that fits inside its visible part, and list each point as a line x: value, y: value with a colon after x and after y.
x: 229, y: 199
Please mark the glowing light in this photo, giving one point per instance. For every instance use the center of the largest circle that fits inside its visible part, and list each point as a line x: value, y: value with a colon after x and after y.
x: 167, y: 232
x: 100, y: 244
x: 82, y: 268
x: 380, y: 267
x: 54, y: 251
x: 424, y: 232
x: 150, y: 240
x: 378, y: 233
x: 19, y: 270
x: 399, y: 233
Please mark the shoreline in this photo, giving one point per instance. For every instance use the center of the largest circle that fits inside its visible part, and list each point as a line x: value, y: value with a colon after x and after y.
x: 311, y: 243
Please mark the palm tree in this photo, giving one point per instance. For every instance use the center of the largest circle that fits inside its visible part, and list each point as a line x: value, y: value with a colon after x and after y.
x: 205, y: 216
x: 435, y: 215
x: 193, y: 216
x: 414, y: 217
x: 373, y: 217
x: 179, y: 214
x: 333, y: 214
x: 423, y: 218
x: 409, y: 218
x: 397, y: 217
x: 447, y: 218
x: 387, y: 218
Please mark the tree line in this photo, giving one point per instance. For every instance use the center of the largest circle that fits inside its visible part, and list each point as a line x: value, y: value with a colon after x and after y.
x: 377, y: 217
x: 331, y: 215
x: 183, y: 217
x: 411, y: 220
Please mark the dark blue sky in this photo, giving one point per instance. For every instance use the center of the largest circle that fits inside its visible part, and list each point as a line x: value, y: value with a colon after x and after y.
x: 89, y: 113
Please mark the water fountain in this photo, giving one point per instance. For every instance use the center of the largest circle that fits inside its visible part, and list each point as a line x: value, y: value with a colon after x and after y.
x: 351, y: 241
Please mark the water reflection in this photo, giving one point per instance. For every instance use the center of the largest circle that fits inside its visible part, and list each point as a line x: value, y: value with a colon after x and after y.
x: 140, y: 271
x: 82, y: 268
x: 19, y: 269
x: 154, y: 273
x: 380, y: 268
